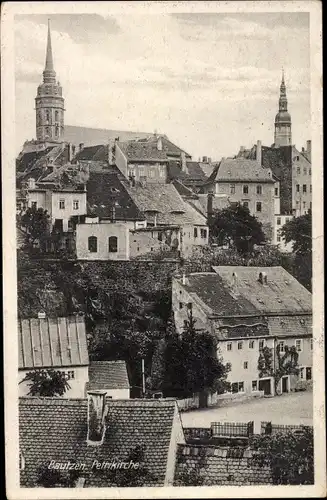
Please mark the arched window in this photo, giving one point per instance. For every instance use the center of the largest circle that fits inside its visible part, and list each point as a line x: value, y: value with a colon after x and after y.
x: 56, y: 115
x: 47, y: 115
x: 93, y: 244
x: 57, y: 130
x: 113, y: 244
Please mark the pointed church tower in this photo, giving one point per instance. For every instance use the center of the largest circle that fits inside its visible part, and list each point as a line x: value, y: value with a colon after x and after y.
x: 49, y: 103
x: 283, y: 123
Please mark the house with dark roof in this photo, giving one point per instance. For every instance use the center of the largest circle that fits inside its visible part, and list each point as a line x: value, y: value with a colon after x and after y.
x: 247, y: 309
x: 187, y: 172
x: 94, y: 436
x: 109, y: 376
x: 245, y: 181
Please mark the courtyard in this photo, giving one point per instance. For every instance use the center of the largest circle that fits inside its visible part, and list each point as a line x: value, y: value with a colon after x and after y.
x: 293, y: 409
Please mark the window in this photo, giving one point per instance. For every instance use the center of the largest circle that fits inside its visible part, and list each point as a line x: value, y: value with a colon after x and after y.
x: 298, y: 170
x: 286, y: 219
x: 151, y: 172
x: 229, y: 346
x: 298, y: 188
x: 113, y: 244
x: 47, y: 131
x: 181, y: 305
x: 310, y: 188
x: 309, y: 171
x: 297, y: 158
x: 258, y: 206
x: 251, y: 344
x: 311, y: 344
x: 62, y: 204
x: 301, y: 372
x: 57, y: 130
x: 259, y: 189
x: 304, y: 204
x: 245, y: 189
x: 131, y: 172
x: 195, y: 232
x: 34, y: 205
x: 47, y: 116
x: 278, y: 238
x: 305, y: 170
x: 281, y: 346
x: 254, y: 385
x: 240, y: 345
x: 279, y: 221
x: 304, y: 188
x: 93, y: 244
x: 76, y: 204
x: 203, y: 233
x: 56, y: 115
x: 141, y: 171
x: 276, y: 191
x: 70, y: 375
x: 298, y: 345
x: 238, y: 387
x: 245, y: 365
x: 308, y: 373
x: 232, y: 189
x: 261, y: 343
x: 246, y: 204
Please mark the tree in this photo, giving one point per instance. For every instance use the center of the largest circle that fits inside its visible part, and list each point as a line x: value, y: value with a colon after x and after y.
x: 277, y: 366
x: 36, y: 222
x: 235, y: 226
x: 289, y: 455
x: 191, y: 363
x: 46, y: 383
x: 299, y: 232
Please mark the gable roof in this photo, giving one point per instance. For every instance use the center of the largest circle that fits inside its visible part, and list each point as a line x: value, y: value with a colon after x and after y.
x: 52, y: 342
x: 56, y: 429
x: 142, y: 151
x: 192, y: 176
x: 95, y: 136
x: 240, y: 169
x: 104, y: 190
x: 108, y: 374
x: 220, y: 295
x: 95, y: 153
x: 166, y: 202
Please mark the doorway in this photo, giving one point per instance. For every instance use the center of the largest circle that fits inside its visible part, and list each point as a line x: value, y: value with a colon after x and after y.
x: 285, y: 385
x: 265, y: 386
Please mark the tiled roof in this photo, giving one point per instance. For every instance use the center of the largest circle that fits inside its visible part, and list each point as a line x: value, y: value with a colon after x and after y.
x: 95, y: 136
x: 240, y: 169
x: 28, y: 160
x: 52, y: 342
x: 220, y: 466
x: 95, y: 153
x: 105, y: 190
x: 194, y: 172
x: 108, y: 374
x: 56, y: 429
x: 165, y: 201
x: 184, y: 190
x: 142, y: 151
x: 289, y: 325
x: 282, y: 293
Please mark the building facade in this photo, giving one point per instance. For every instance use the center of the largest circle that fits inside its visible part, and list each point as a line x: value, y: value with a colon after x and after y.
x: 279, y: 241
x: 246, y: 310
x: 301, y: 181
x: 49, y: 103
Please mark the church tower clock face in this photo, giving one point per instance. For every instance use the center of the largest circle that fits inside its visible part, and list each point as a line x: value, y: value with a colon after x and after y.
x: 49, y: 103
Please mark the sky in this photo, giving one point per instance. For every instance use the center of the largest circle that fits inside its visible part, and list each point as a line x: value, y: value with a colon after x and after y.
x: 209, y: 81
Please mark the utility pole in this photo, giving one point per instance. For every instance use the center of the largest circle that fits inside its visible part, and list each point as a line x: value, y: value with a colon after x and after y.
x: 143, y: 379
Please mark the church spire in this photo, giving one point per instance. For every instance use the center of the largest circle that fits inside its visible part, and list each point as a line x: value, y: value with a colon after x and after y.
x: 49, y: 58
x: 283, y: 123
x: 49, y: 74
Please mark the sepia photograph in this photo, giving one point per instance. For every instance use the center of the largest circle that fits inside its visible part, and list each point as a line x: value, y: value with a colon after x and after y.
x: 163, y: 249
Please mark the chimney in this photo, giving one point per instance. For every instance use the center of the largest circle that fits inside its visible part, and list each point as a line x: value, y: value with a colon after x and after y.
x: 210, y: 207
x: 81, y: 146
x: 70, y: 152
x: 73, y: 149
x: 183, y: 161
x: 235, y: 281
x: 31, y: 183
x: 184, y: 279
x: 159, y: 144
x: 111, y: 152
x: 204, y: 159
x: 263, y: 278
x: 96, y: 414
x: 309, y: 149
x: 259, y: 153
x: 209, y: 160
